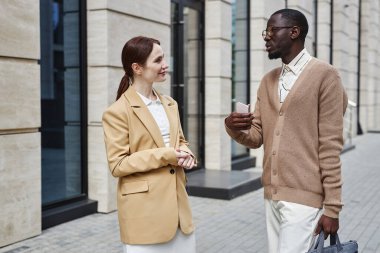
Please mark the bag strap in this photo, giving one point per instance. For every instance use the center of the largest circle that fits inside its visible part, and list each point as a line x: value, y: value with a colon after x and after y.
x: 334, y: 240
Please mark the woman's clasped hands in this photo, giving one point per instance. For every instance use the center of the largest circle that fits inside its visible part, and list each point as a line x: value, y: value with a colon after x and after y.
x: 185, y: 159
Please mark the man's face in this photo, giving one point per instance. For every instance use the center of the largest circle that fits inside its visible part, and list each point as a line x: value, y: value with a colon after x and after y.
x: 278, y: 41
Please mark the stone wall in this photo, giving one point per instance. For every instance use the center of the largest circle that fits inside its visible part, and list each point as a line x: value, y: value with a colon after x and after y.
x: 110, y: 23
x: 20, y: 148
x: 217, y: 83
x: 370, y: 65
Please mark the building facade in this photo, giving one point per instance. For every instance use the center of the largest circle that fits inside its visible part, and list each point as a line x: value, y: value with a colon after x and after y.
x: 60, y: 68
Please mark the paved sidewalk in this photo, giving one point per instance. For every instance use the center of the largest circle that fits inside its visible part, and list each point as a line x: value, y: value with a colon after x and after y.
x: 236, y: 226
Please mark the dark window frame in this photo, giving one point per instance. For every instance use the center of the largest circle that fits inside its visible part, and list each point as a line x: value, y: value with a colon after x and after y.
x: 248, y: 74
x: 57, y: 212
x: 83, y: 112
x: 178, y: 69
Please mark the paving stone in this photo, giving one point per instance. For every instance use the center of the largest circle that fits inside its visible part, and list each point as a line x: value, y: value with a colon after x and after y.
x: 236, y: 225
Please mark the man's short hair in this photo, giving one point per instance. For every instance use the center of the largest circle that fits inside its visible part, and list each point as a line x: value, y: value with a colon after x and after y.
x: 295, y: 18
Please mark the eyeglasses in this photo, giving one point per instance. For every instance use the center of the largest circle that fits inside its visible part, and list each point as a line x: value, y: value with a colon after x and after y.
x: 269, y: 31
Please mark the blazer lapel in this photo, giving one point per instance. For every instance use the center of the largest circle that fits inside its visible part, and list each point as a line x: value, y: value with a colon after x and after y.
x: 172, y: 113
x: 144, y: 115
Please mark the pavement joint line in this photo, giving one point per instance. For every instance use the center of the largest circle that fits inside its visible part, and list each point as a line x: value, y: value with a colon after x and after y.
x: 236, y: 225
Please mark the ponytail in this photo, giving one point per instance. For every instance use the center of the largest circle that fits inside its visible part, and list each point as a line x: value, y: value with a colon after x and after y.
x: 124, y: 85
x: 136, y: 50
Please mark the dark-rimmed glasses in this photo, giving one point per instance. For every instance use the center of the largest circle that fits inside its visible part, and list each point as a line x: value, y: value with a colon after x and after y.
x: 269, y: 31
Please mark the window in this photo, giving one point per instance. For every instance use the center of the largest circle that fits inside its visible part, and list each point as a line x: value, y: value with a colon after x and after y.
x: 63, y: 130
x: 187, y: 66
x: 240, y: 62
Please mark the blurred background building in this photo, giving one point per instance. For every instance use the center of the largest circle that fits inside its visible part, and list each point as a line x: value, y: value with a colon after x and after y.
x: 60, y: 68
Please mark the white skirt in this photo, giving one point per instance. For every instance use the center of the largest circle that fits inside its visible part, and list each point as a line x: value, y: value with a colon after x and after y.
x: 180, y: 243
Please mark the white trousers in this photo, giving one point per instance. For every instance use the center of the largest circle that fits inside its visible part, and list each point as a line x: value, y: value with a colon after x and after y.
x: 181, y: 243
x: 290, y: 226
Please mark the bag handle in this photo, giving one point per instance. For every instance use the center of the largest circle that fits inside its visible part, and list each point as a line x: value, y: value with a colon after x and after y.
x: 334, y: 240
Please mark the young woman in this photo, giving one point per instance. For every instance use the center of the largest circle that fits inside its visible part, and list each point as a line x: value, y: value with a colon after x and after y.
x: 147, y: 151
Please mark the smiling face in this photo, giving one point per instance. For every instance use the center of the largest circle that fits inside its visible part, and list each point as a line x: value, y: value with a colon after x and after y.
x: 279, y: 41
x: 155, y: 67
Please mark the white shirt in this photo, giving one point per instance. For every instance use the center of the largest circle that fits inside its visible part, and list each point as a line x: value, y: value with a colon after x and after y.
x: 290, y: 73
x: 158, y: 112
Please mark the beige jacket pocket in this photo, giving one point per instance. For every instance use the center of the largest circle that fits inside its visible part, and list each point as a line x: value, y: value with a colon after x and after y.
x: 134, y: 187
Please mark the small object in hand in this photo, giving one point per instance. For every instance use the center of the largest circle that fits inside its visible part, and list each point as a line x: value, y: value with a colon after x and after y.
x: 243, y: 108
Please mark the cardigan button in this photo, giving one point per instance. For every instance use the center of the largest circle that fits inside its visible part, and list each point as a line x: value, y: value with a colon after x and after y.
x: 172, y: 171
x: 274, y: 152
x: 281, y: 113
x: 277, y: 132
x: 274, y: 172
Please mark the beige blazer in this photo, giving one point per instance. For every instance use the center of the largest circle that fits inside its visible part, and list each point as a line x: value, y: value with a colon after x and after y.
x: 151, y: 196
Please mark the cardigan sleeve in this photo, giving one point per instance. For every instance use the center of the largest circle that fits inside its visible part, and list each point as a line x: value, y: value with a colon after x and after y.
x: 121, y: 162
x: 332, y: 106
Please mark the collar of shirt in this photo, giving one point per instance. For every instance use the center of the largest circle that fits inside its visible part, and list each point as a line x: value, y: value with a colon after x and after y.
x: 296, y: 65
x: 148, y: 101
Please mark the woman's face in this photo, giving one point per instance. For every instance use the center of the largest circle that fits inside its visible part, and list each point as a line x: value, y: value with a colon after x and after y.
x: 155, y: 67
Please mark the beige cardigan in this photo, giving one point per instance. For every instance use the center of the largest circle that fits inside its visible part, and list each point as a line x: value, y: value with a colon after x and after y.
x: 151, y: 194
x: 302, y: 138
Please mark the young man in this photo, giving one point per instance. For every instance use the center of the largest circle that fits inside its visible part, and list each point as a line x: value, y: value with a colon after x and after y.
x: 298, y: 117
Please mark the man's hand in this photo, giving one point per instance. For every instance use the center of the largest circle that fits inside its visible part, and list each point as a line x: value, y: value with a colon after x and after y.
x: 239, y: 121
x: 329, y: 226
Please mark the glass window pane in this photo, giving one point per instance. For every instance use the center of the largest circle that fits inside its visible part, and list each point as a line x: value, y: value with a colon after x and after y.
x: 60, y: 100
x: 240, y: 66
x: 192, y: 77
x: 187, y: 44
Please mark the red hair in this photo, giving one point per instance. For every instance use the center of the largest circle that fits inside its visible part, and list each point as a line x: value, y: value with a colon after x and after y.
x: 136, y: 50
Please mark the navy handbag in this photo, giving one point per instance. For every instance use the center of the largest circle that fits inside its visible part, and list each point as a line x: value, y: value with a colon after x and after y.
x: 335, y: 245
